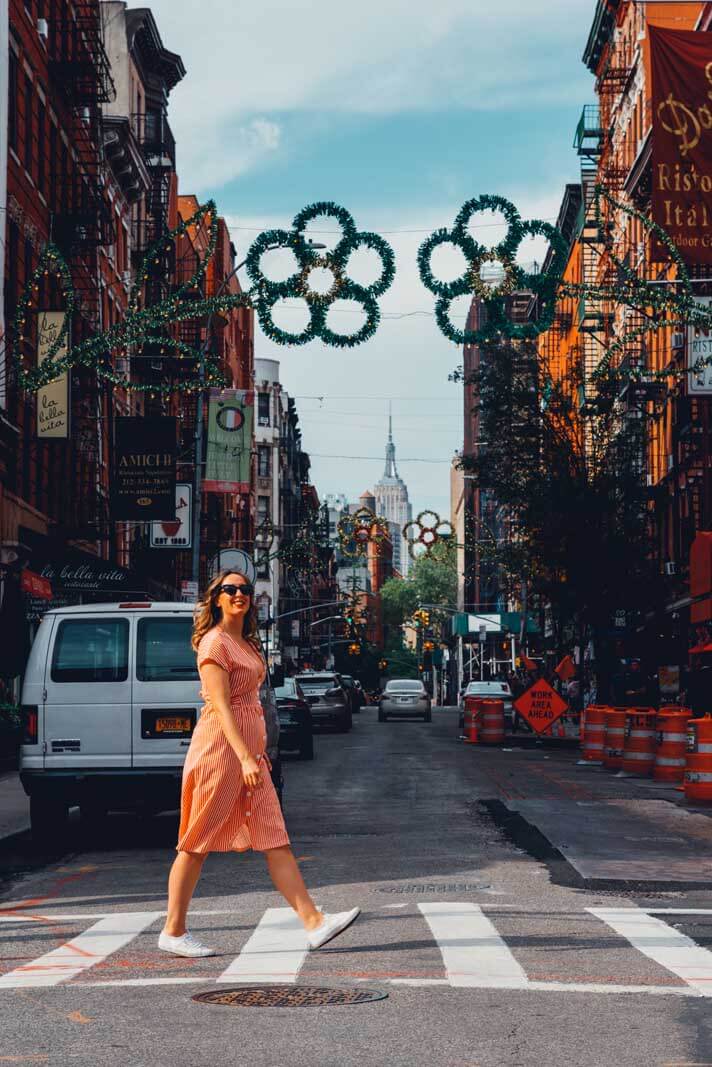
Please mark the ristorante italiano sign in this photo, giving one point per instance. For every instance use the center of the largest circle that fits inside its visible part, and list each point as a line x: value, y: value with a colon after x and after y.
x: 681, y: 66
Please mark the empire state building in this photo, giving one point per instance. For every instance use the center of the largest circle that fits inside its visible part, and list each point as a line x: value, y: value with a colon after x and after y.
x: 392, y: 503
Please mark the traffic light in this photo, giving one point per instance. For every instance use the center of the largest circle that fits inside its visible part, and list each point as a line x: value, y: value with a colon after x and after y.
x: 383, y: 664
x: 421, y: 666
x: 428, y: 646
x: 354, y: 648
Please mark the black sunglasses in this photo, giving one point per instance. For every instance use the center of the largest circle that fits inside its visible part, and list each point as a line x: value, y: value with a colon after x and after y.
x: 245, y: 588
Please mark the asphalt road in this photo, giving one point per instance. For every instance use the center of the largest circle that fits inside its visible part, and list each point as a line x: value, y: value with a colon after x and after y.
x: 492, y: 947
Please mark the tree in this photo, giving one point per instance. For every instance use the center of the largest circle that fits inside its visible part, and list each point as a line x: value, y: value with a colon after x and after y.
x: 572, y: 484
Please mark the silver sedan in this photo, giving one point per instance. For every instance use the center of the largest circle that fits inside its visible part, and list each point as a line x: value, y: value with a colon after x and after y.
x: 404, y: 696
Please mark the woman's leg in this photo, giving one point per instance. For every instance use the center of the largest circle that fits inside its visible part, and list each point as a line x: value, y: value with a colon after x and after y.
x: 182, y: 881
x: 288, y: 881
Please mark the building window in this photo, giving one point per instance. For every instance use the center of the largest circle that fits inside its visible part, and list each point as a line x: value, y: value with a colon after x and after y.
x: 263, y: 409
x: 263, y: 509
x: 263, y: 565
x: 264, y: 456
x: 41, y: 156
x: 12, y: 103
x: 28, y: 125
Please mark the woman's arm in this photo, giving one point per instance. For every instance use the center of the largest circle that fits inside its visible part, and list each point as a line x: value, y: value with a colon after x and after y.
x: 217, y: 682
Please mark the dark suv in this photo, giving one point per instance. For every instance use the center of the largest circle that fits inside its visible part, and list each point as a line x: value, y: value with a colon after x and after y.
x: 328, y: 699
x: 295, y: 719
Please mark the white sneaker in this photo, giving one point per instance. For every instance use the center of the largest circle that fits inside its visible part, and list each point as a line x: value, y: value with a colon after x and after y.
x: 186, y: 945
x: 331, y: 926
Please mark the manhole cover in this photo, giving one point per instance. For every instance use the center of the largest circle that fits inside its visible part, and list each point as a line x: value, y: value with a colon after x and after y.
x: 449, y: 887
x: 288, y: 996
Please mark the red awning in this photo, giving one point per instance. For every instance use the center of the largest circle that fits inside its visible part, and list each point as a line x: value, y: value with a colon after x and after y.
x: 698, y: 649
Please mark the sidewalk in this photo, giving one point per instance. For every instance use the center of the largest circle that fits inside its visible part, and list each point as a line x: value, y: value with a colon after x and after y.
x: 14, y: 805
x: 609, y: 829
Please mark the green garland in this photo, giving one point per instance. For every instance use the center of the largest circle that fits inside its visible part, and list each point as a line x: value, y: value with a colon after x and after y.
x: 498, y: 322
x: 359, y: 530
x: 428, y: 530
x: 268, y: 293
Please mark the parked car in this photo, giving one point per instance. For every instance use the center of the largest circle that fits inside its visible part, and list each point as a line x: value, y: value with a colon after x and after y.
x: 404, y: 696
x: 353, y: 691
x: 495, y: 690
x: 328, y: 699
x: 111, y: 696
x: 295, y: 719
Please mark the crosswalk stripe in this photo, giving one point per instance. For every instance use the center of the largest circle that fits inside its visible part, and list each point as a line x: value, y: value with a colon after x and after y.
x: 473, y: 952
x: 274, y: 953
x: 82, y: 952
x: 661, y: 942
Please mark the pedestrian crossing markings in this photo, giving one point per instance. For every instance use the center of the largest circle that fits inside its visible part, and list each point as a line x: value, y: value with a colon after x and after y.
x: 474, y: 954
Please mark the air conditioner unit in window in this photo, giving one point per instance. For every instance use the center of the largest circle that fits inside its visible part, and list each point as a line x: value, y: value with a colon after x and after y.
x: 670, y: 567
x: 43, y: 28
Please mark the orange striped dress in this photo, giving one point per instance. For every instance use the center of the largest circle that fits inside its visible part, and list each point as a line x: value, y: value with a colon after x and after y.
x: 218, y: 812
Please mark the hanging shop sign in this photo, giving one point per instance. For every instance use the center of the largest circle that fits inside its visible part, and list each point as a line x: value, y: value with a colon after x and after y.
x: 233, y: 559
x: 175, y: 532
x: 681, y: 63
x: 699, y: 348
x: 540, y: 705
x: 35, y: 585
x: 144, y: 478
x: 53, y: 398
x: 229, y: 455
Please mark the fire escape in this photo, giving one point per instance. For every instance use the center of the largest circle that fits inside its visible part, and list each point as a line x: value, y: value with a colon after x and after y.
x: 81, y: 223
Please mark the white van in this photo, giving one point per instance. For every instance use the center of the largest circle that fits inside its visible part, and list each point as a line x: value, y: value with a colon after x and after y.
x: 111, y: 697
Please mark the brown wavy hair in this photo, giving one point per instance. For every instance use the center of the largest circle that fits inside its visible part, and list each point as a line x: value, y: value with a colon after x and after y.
x: 208, y: 614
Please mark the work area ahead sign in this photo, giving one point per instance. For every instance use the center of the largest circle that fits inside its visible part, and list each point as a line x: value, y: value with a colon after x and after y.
x: 540, y: 705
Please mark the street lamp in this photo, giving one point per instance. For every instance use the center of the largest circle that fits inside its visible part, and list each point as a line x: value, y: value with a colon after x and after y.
x: 199, y: 414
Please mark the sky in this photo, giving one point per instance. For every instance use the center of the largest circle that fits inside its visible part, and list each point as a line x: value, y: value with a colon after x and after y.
x: 399, y: 110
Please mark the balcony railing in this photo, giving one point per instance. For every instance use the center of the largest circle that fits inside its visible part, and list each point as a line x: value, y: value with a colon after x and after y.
x: 77, y: 58
x: 155, y: 137
x: 589, y: 132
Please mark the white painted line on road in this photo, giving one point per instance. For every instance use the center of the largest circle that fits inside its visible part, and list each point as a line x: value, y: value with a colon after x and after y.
x: 473, y: 952
x: 82, y: 952
x: 274, y: 953
x: 661, y: 942
x: 37, y: 917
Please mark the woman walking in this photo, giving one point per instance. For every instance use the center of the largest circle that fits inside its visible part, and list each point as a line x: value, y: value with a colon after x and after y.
x: 228, y: 801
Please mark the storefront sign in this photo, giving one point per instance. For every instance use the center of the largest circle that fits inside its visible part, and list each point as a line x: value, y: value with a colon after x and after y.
x: 52, y: 399
x: 144, y: 481
x: 699, y: 347
x: 681, y: 63
x: 35, y: 585
x: 540, y: 705
x: 175, y: 533
x: 188, y: 591
x: 229, y: 454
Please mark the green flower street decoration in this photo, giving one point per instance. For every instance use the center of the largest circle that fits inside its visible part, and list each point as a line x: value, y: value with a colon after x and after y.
x: 425, y: 532
x: 151, y: 325
x: 498, y: 323
x: 267, y: 293
x: 358, y: 531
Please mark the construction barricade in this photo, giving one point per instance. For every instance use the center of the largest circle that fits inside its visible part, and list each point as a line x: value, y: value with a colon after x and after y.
x: 671, y: 730
x: 492, y: 720
x: 698, y: 766
x: 472, y: 720
x: 594, y: 733
x: 640, y: 742
x: 614, y: 741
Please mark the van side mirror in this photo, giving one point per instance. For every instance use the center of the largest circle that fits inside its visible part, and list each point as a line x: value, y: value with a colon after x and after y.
x: 277, y: 673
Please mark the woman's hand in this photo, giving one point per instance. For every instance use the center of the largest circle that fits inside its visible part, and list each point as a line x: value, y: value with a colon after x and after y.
x: 251, y: 771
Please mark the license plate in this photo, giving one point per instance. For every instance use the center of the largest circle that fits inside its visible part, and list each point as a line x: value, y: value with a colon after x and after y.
x: 173, y: 726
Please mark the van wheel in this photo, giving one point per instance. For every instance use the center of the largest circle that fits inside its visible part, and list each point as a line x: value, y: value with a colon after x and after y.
x: 48, y: 819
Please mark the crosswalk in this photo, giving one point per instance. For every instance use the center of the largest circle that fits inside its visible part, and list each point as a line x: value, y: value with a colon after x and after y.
x: 473, y: 953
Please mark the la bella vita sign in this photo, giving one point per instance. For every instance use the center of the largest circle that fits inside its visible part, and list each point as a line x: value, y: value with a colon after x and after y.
x: 53, y: 398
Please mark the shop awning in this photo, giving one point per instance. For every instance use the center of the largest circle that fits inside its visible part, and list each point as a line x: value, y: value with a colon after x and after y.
x: 697, y: 649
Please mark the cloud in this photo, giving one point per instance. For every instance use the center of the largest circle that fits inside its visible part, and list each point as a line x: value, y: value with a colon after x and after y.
x: 217, y: 155
x: 377, y: 57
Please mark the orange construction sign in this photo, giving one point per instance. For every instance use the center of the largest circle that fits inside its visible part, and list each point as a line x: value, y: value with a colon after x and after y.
x: 540, y: 706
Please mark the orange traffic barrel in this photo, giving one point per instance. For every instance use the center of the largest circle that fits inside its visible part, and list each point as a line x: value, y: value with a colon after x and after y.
x: 640, y: 742
x: 472, y: 715
x: 492, y: 718
x: 698, y: 765
x: 614, y: 739
x: 594, y: 733
x: 671, y: 729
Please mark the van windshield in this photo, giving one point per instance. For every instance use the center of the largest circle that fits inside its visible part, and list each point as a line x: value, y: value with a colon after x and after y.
x: 91, y: 650
x: 163, y: 651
